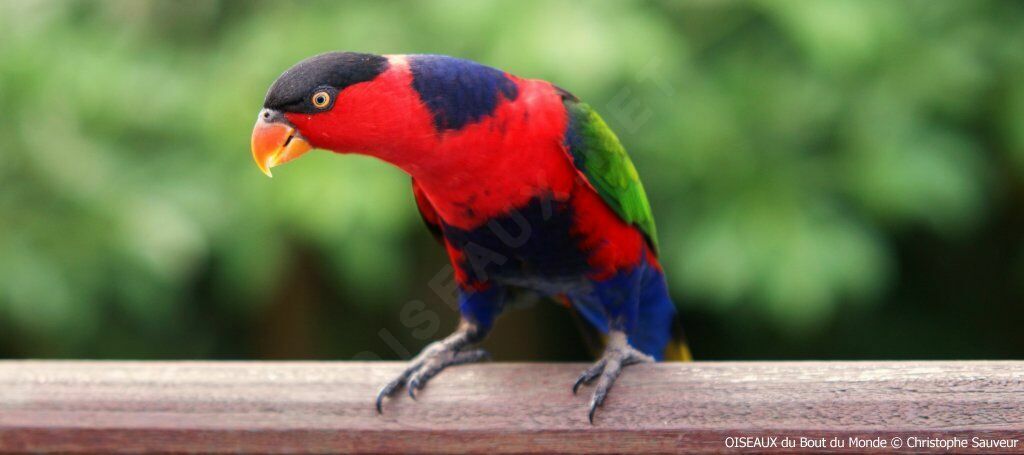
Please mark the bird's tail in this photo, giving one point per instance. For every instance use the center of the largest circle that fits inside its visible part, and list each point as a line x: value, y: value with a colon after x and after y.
x: 678, y: 350
x: 659, y: 330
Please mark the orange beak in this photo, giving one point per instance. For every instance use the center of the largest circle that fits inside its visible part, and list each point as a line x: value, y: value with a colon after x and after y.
x: 275, y: 143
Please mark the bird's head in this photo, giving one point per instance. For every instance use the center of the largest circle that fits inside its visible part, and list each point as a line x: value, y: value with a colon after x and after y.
x: 332, y: 101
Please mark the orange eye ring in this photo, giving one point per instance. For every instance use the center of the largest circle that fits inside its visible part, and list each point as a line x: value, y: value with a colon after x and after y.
x: 321, y: 99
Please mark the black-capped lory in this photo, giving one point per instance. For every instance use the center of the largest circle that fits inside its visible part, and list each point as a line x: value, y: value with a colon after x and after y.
x: 523, y: 184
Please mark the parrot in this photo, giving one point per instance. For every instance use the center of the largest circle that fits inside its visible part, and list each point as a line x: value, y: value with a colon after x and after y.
x: 523, y: 184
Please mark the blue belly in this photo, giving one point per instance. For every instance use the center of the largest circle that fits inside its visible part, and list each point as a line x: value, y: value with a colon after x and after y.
x: 531, y: 247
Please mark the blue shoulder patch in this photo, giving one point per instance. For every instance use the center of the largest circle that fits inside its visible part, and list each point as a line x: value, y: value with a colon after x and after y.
x: 458, y: 92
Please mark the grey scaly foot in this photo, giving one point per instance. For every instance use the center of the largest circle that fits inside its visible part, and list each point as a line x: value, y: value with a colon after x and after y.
x: 435, y: 357
x: 617, y: 354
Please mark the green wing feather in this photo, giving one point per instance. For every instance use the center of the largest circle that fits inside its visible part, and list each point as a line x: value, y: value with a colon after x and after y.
x: 599, y: 156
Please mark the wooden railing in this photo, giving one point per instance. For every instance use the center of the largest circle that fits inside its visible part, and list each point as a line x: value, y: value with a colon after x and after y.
x: 259, y: 407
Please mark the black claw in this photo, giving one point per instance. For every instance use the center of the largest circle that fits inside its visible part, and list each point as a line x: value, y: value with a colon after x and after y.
x: 597, y: 401
x: 415, y: 377
x: 589, y: 375
x: 608, y: 370
x: 579, y: 381
x: 385, y: 391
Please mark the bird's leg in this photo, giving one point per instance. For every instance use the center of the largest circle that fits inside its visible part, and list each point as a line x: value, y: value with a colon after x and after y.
x: 434, y: 358
x: 617, y: 354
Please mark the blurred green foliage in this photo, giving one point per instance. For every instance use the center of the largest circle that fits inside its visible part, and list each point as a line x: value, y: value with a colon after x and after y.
x: 830, y: 179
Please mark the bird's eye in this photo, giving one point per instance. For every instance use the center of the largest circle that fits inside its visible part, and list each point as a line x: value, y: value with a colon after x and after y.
x: 321, y: 99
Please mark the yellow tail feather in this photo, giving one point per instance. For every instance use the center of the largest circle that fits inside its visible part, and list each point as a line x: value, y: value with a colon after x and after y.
x: 678, y: 351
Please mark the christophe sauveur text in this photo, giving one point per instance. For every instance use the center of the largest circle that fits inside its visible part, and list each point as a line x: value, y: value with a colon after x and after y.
x: 868, y: 443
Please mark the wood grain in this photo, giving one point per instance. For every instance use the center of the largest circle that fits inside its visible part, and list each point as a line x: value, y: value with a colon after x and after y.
x: 311, y: 407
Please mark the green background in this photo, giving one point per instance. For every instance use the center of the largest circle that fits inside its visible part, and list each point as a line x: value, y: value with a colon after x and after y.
x: 837, y: 180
